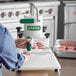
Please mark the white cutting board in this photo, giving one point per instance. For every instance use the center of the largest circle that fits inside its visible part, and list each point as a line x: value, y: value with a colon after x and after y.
x: 43, y: 59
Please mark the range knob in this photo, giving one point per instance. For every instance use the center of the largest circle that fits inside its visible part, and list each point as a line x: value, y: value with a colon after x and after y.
x: 17, y: 13
x: 3, y: 14
x: 41, y: 11
x: 50, y: 11
x: 27, y: 12
x: 10, y: 14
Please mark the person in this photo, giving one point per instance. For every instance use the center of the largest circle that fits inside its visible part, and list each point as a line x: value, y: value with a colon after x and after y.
x: 8, y: 55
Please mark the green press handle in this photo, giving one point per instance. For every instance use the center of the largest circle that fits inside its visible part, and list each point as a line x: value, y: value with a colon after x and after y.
x: 28, y: 45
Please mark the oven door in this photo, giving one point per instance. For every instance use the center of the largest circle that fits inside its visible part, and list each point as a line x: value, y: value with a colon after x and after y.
x: 70, y: 22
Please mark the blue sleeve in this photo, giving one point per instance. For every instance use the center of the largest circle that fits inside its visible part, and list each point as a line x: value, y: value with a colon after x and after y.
x: 9, y: 57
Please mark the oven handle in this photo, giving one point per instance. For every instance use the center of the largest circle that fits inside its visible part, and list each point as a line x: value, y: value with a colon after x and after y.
x: 69, y: 23
x: 17, y: 21
x: 10, y: 21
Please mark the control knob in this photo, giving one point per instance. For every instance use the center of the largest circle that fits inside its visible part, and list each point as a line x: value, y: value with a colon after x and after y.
x: 3, y: 14
x: 10, y: 14
x: 50, y: 11
x: 17, y: 13
x: 27, y: 12
x: 41, y: 11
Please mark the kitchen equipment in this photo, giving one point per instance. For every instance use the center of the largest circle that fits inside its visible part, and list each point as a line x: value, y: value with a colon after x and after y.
x: 65, y: 48
x: 12, y: 13
x: 42, y: 61
x: 32, y: 26
x: 70, y: 20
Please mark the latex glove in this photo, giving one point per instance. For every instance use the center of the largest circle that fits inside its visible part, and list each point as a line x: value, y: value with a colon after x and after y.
x: 27, y: 57
x: 21, y: 42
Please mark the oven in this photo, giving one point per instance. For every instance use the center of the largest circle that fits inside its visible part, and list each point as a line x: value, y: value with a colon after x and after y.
x: 70, y: 20
x: 11, y: 13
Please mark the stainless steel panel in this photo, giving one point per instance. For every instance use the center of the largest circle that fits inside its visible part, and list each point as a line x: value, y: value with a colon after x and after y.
x: 70, y: 21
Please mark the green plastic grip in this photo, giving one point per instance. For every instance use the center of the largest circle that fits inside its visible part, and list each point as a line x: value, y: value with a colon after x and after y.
x: 25, y: 21
x: 28, y: 45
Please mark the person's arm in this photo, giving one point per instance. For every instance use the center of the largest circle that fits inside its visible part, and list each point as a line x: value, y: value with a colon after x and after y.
x: 8, y: 55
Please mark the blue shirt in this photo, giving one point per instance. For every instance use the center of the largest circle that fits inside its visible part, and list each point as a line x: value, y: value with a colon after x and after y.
x: 8, y: 56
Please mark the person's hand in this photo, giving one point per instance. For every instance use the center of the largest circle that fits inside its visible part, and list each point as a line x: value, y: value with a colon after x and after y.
x: 21, y: 42
x: 27, y: 57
